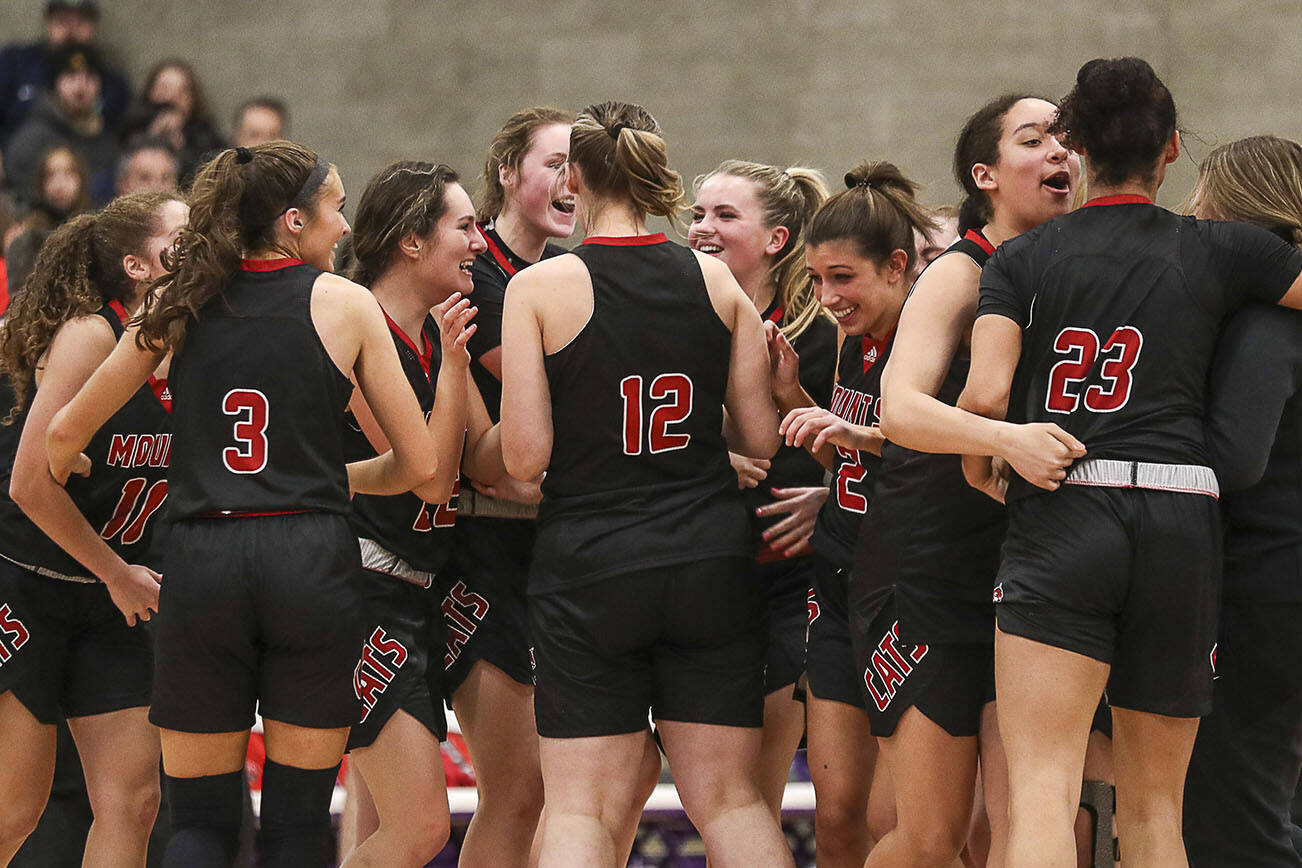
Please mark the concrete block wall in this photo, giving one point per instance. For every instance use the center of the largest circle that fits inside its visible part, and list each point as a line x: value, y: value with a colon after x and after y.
x: 823, y: 83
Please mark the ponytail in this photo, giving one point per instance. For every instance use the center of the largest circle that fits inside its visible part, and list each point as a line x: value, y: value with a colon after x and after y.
x: 620, y: 151
x: 878, y: 210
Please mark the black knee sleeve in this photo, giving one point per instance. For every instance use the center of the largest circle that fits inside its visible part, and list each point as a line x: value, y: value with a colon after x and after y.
x: 206, y: 814
x: 295, y: 818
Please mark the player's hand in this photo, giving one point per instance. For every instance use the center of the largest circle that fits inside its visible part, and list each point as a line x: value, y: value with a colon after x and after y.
x: 1040, y: 452
x: 814, y: 427
x: 750, y: 471
x: 513, y: 489
x: 61, y: 468
x: 988, y: 475
x: 784, y: 364
x: 134, y: 589
x: 799, y: 508
x: 454, y: 317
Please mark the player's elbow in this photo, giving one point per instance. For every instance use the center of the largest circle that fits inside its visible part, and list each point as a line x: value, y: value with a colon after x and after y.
x: 525, y: 457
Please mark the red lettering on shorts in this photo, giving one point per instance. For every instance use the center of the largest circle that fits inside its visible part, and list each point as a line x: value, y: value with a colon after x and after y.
x: 463, y: 612
x: 381, y: 657
x: 11, y: 626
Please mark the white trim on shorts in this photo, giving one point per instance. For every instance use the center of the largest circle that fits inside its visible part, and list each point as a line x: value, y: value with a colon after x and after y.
x: 1109, y: 473
x: 377, y: 558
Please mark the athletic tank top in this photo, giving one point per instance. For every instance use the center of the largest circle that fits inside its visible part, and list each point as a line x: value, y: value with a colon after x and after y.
x: 639, y: 474
x: 258, y: 404
x: 124, y: 492
x: 930, y: 534
x: 856, y: 399
x: 418, y: 532
x: 793, y: 466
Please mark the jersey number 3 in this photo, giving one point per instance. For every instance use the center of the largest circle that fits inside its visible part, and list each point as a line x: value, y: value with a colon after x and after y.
x: 677, y: 388
x: 250, y: 455
x: 1081, y: 346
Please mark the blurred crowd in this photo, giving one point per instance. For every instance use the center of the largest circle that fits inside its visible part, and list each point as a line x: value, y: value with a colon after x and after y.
x: 74, y: 134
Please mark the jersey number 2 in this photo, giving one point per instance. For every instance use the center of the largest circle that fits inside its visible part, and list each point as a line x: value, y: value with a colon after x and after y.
x: 250, y: 456
x: 1120, y: 353
x: 677, y: 387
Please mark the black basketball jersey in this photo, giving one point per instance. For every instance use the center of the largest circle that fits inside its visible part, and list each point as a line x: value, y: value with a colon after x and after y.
x: 418, y: 532
x: 491, y: 271
x: 124, y: 492
x: 258, y: 405
x: 793, y: 466
x: 856, y: 399
x: 1120, y: 307
x: 639, y: 474
x: 930, y: 534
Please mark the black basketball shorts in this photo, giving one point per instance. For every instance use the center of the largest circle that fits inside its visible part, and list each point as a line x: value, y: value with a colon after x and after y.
x: 1130, y: 577
x: 65, y: 649
x: 829, y: 653
x: 485, y: 610
x: 399, y: 668
x: 949, y: 684
x: 685, y: 642
x: 787, y: 585
x: 259, y: 612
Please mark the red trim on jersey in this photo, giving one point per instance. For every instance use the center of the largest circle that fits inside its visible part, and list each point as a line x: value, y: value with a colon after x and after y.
x: 226, y: 514
x: 1123, y: 199
x: 627, y: 240
x: 867, y: 344
x: 502, y: 259
x: 979, y: 240
x: 776, y: 316
x: 769, y: 555
x: 158, y: 385
x: 424, y: 355
x: 269, y: 264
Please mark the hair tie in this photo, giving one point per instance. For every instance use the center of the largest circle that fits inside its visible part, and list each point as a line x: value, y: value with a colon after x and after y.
x: 617, y: 129
x: 243, y: 155
x: 852, y: 182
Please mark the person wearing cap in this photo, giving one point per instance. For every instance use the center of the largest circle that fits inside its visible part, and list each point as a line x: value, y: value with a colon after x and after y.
x: 23, y: 66
x: 69, y: 113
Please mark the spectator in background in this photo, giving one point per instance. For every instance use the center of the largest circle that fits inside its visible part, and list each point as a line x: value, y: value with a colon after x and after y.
x: 149, y: 164
x: 23, y: 66
x: 60, y: 190
x: 20, y: 257
x: 258, y: 120
x: 68, y: 114
x: 172, y: 108
x: 8, y: 219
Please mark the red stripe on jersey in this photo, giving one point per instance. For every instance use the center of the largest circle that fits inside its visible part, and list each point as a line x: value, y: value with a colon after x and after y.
x: 232, y: 514
x: 1123, y: 199
x: 627, y: 240
x: 980, y: 241
x: 873, y: 349
x: 156, y: 384
x: 268, y: 264
x: 424, y: 355
x: 776, y: 315
x: 498, y: 255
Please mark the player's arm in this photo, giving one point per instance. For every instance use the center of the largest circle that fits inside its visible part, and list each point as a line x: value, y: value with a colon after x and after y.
x: 751, y: 417
x: 931, y: 331
x: 526, y: 430
x: 1040, y: 452
x: 79, y: 347
x: 1258, y: 369
x: 411, y: 459
x: 126, y: 369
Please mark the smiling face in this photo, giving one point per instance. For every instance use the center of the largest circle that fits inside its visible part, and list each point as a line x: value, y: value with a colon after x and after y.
x: 324, y: 224
x: 864, y: 297
x: 448, y: 252
x: 536, y: 192
x: 1035, y: 177
x: 728, y: 223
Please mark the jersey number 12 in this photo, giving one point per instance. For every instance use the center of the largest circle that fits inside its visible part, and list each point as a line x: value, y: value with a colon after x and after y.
x: 675, y: 390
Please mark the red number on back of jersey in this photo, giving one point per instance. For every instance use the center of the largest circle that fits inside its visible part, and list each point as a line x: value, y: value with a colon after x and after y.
x: 850, y: 470
x: 250, y: 456
x: 677, y: 387
x: 1119, y: 356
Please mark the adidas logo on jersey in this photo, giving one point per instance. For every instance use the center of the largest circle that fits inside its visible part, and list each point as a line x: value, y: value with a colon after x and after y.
x: 870, y: 357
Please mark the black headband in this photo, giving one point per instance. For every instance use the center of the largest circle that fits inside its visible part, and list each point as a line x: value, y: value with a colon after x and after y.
x: 313, y: 183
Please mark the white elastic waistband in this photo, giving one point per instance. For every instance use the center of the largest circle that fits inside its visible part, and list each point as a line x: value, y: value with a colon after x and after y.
x: 1108, y: 473
x: 472, y: 502
x: 376, y: 557
x: 51, y: 574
